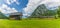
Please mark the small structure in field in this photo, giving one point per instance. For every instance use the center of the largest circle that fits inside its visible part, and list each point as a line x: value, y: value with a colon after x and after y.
x: 16, y: 16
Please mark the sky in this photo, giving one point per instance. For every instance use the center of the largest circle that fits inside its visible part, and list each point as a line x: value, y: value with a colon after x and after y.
x: 11, y: 6
x: 25, y: 6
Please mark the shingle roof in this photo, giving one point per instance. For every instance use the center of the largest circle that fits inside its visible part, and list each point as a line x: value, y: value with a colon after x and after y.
x: 16, y: 13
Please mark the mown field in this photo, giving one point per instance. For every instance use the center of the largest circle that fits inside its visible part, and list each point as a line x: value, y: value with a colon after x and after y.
x: 30, y: 23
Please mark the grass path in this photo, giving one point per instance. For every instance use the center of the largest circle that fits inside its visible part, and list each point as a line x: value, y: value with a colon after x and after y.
x: 30, y: 23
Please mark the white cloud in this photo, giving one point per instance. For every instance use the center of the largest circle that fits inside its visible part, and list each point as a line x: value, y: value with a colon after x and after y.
x: 5, y: 9
x: 11, y: 1
x: 32, y: 4
x: 53, y: 4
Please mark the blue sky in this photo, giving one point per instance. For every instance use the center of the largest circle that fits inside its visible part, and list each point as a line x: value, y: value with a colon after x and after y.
x: 26, y: 6
x: 22, y: 4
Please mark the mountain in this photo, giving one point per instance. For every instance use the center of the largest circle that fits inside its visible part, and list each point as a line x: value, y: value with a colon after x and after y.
x: 41, y: 10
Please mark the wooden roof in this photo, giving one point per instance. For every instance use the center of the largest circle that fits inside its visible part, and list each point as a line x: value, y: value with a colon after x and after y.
x: 16, y: 13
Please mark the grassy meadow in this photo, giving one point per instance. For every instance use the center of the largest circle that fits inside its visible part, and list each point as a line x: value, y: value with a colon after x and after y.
x: 54, y: 23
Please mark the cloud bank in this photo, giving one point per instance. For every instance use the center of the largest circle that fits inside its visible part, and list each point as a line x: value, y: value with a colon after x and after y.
x: 5, y: 9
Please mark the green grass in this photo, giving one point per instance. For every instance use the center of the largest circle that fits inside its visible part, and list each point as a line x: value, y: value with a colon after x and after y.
x: 30, y: 23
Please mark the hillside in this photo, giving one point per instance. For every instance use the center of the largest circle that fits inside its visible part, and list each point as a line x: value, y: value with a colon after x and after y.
x: 2, y: 16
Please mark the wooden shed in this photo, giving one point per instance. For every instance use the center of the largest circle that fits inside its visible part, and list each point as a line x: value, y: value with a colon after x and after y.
x: 16, y: 16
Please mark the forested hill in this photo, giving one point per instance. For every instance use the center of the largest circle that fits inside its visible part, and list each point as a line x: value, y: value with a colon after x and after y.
x: 2, y: 16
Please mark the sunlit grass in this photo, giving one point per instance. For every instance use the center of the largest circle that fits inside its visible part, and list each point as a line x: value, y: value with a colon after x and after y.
x: 30, y: 23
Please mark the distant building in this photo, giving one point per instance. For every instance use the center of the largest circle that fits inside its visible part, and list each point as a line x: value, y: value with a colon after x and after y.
x: 16, y: 15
